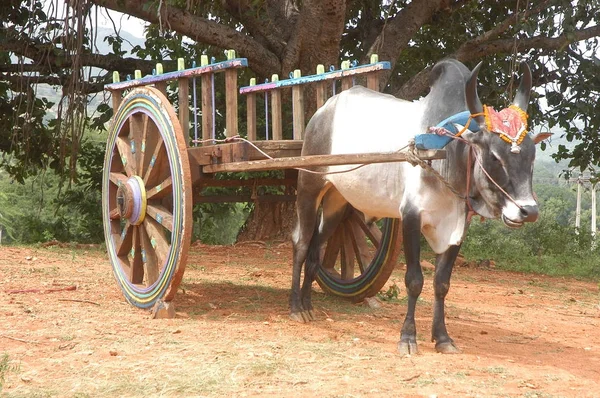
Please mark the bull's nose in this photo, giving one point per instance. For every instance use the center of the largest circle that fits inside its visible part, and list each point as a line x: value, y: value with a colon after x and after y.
x: 529, y: 213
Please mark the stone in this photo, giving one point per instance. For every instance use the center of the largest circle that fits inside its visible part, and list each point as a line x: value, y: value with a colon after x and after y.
x: 163, y: 310
x: 372, y: 302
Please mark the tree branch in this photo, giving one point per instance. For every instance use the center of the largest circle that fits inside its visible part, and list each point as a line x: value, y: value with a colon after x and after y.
x: 271, y: 31
x: 399, y: 30
x: 476, y: 49
x: 262, y: 61
x: 21, y: 83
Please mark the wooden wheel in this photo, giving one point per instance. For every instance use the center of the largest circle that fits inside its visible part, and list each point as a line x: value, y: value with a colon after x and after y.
x: 146, y: 198
x: 359, y: 257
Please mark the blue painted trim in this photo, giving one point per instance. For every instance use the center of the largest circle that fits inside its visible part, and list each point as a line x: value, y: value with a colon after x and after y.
x: 336, y: 74
x: 434, y: 141
x: 186, y: 73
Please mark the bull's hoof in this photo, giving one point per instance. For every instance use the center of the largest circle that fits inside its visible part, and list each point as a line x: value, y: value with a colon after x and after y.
x: 298, y: 317
x: 407, y: 347
x: 303, y: 316
x: 447, y: 347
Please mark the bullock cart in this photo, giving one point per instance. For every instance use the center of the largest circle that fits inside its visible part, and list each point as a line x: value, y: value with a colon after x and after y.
x: 159, y: 163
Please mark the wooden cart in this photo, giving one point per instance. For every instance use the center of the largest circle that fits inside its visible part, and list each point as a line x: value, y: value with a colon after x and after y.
x: 155, y: 170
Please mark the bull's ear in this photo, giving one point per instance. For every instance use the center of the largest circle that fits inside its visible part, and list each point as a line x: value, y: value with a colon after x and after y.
x: 539, y: 137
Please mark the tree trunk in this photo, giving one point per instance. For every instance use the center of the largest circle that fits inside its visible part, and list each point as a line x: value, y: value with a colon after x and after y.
x: 269, y: 221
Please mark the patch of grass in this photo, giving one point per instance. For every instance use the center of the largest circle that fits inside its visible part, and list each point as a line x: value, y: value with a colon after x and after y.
x: 495, y: 370
x: 391, y: 295
x: 6, y: 367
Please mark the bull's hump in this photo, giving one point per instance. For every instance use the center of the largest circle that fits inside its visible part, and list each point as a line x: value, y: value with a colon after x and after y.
x: 368, y: 121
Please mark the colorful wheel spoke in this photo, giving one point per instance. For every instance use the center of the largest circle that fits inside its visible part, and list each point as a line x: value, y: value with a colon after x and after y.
x: 114, y: 214
x: 160, y: 190
x: 127, y: 158
x: 125, y: 240
x: 151, y: 268
x: 118, y: 178
x: 161, y: 215
x: 372, y: 232
x: 136, y: 270
x: 351, y: 231
x: 347, y: 256
x: 332, y: 250
x: 136, y: 127
x: 158, y: 240
x: 156, y: 162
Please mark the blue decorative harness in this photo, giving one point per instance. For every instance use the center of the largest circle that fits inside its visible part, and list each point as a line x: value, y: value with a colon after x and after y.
x: 435, y: 141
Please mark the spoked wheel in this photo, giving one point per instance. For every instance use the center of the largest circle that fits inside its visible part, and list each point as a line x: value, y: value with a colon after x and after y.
x: 147, y: 198
x: 359, y: 257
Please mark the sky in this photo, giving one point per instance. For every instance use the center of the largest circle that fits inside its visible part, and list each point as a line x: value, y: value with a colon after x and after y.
x: 127, y: 23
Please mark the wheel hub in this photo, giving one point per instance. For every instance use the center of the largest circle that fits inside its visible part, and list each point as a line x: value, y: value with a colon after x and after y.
x: 131, y: 200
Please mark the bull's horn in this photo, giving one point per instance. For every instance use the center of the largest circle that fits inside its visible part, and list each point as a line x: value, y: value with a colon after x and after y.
x: 522, y: 97
x: 471, y: 96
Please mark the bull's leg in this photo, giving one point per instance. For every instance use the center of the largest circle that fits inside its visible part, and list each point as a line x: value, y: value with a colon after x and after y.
x: 413, y: 279
x: 307, y: 202
x: 333, y: 208
x: 441, y: 285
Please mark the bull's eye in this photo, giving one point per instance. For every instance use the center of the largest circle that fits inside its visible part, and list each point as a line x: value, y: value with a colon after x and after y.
x: 494, y: 158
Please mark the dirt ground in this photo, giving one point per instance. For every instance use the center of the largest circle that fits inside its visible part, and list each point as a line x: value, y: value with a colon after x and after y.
x: 70, y: 332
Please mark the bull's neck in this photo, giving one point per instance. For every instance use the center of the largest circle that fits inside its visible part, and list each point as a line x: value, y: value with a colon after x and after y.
x: 457, y: 166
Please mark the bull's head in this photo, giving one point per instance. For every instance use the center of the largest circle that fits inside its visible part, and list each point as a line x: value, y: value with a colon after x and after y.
x: 506, y: 152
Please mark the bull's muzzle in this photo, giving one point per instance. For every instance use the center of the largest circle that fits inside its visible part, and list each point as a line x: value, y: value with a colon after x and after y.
x: 529, y: 213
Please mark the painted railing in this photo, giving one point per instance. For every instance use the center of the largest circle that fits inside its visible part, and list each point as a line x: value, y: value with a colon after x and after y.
x: 326, y: 84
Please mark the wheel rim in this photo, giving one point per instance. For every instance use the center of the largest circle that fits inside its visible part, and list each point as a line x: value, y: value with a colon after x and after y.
x: 359, y: 257
x: 147, y: 198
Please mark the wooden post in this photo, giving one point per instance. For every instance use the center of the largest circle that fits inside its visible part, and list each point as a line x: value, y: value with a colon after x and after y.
x: 231, y: 102
x: 184, y: 100
x: 373, y: 78
x: 276, y: 111
x: 578, y: 208
x: 251, y: 113
x: 162, y: 86
x: 346, y: 81
x: 321, y: 88
x: 116, y: 96
x: 207, y: 107
x: 298, y: 104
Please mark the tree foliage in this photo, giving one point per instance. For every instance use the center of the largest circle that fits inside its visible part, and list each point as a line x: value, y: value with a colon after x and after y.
x: 45, y: 42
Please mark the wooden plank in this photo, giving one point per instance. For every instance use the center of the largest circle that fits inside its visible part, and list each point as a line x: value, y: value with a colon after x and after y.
x: 373, y: 78
x: 319, y: 160
x: 251, y: 113
x: 201, y: 156
x: 207, y: 107
x: 184, y: 100
x: 321, y: 94
x: 276, y: 122
x: 298, y: 105
x: 184, y: 106
x: 347, y: 82
x: 231, y: 103
x: 187, y: 73
x: 117, y: 98
x: 320, y: 88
